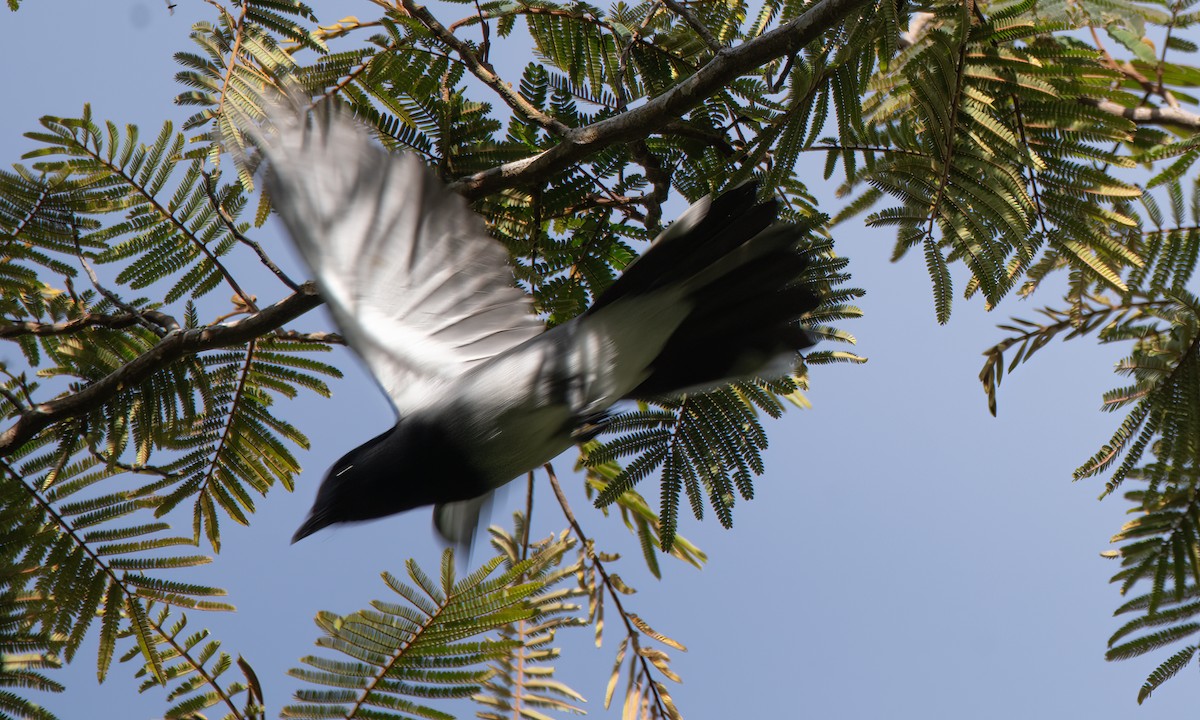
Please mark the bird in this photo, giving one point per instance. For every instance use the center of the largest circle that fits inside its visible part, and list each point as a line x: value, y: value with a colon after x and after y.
x: 483, y: 391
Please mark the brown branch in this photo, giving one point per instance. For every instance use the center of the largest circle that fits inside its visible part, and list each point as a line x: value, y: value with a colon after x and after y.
x: 239, y: 33
x: 660, y: 180
x: 328, y: 338
x: 17, y: 328
x: 486, y: 73
x: 642, y: 121
x: 174, y: 346
x: 1147, y: 115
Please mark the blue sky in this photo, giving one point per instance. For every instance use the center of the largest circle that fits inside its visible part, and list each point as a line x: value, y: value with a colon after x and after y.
x: 906, y: 555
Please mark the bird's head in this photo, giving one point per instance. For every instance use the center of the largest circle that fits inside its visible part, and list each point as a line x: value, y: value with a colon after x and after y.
x: 409, y: 466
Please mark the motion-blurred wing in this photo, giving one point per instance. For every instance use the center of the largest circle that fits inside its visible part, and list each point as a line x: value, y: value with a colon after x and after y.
x: 413, y: 280
x: 457, y: 521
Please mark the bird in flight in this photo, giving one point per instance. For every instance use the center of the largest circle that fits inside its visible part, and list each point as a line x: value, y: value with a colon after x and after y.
x: 482, y: 390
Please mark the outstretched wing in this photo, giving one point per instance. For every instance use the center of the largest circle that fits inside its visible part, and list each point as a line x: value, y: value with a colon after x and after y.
x: 415, y: 283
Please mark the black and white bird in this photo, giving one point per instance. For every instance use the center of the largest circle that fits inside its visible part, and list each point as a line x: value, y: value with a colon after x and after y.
x: 482, y: 391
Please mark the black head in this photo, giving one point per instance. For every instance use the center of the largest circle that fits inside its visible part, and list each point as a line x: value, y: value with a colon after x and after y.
x: 411, y: 465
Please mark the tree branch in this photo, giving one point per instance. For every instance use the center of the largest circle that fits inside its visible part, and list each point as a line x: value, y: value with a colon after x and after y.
x: 728, y: 64
x: 700, y: 28
x: 176, y: 344
x: 1147, y: 115
x: 486, y: 73
x: 16, y: 328
x: 329, y: 338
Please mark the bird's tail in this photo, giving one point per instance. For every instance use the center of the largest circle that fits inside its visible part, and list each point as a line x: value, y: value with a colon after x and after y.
x: 740, y: 272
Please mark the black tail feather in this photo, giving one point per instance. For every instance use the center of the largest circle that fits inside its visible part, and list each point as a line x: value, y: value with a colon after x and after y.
x: 732, y: 218
x: 743, y: 319
x: 721, y: 343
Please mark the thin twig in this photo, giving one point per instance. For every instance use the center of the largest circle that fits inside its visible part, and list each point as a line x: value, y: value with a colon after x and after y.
x: 592, y: 201
x: 701, y: 29
x: 239, y: 31
x: 156, y: 322
x: 139, y: 469
x: 528, y: 515
x: 485, y: 30
x: 1129, y: 72
x: 608, y: 584
x: 210, y: 191
x: 486, y: 73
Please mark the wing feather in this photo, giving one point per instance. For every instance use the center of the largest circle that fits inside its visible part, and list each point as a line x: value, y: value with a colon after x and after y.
x: 417, y: 286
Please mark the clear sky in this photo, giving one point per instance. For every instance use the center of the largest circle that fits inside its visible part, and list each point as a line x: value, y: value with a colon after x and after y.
x: 906, y: 555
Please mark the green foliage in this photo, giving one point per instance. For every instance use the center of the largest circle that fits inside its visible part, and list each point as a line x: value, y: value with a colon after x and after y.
x: 170, y: 229
x: 237, y: 55
x: 190, y: 665
x: 85, y: 556
x: 706, y: 444
x: 26, y: 618
x: 995, y: 161
x: 990, y: 135
x: 239, y: 446
x: 401, y: 654
x: 1159, y: 544
x: 639, y: 518
x: 709, y: 445
x: 524, y: 678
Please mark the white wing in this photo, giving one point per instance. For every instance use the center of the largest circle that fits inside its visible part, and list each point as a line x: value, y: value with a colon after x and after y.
x: 415, y: 283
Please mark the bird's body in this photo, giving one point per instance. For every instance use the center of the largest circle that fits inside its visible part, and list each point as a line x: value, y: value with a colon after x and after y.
x: 482, y: 391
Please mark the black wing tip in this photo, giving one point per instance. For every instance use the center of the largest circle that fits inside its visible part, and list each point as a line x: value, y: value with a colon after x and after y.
x: 314, y: 523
